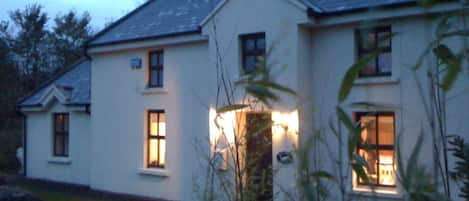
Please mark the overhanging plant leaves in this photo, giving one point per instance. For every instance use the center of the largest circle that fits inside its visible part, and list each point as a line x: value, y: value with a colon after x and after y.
x: 452, y: 62
x: 229, y: 108
x: 351, y: 75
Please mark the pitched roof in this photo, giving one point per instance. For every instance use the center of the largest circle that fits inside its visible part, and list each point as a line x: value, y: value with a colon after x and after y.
x: 157, y: 18
x: 74, y: 84
x: 339, y: 6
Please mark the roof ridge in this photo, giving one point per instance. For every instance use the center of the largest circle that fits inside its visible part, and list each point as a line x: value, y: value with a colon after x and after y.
x: 53, y: 79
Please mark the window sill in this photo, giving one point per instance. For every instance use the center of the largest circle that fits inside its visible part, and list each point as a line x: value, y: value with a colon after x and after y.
x: 376, y: 80
x: 60, y: 160
x: 149, y: 91
x: 154, y: 172
x: 386, y: 193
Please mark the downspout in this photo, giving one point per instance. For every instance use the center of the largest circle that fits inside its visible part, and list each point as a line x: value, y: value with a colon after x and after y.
x: 25, y: 144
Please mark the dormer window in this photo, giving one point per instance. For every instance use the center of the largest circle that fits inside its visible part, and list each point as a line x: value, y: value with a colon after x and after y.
x: 155, y: 71
x: 253, y: 51
x: 371, y: 40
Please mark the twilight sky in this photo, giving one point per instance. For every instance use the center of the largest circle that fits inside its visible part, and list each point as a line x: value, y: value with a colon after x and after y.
x: 101, y: 11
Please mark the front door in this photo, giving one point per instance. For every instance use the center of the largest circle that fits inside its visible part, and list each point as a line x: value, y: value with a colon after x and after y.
x: 259, y: 156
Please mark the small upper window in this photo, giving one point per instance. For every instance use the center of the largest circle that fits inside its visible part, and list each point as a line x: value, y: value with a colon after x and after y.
x: 371, y: 40
x: 61, y: 134
x: 155, y: 71
x: 253, y: 51
x: 378, y: 147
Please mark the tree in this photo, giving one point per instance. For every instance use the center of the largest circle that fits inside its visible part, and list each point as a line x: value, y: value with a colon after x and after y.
x: 30, y: 44
x: 69, y: 34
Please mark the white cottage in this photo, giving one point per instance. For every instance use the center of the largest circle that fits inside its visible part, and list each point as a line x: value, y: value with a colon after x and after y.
x: 127, y: 118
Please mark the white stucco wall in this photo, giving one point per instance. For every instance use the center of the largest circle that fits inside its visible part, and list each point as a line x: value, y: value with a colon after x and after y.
x: 119, y: 120
x: 333, y: 52
x: 40, y: 161
x: 279, y: 20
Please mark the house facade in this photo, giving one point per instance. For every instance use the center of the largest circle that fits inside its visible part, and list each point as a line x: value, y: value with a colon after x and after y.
x: 136, y: 116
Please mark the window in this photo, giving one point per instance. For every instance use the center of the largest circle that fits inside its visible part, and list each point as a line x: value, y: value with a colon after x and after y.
x: 371, y: 40
x: 156, y: 142
x: 253, y: 51
x: 155, y: 71
x: 378, y: 147
x: 61, y: 137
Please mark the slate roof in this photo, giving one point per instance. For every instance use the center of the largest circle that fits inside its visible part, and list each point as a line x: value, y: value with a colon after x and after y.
x: 338, y: 6
x: 157, y: 18
x: 74, y: 83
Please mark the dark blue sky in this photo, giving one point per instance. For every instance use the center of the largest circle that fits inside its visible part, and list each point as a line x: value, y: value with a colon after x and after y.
x: 101, y: 11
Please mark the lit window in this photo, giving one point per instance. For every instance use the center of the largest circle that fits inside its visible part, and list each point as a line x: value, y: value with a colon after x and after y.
x: 378, y: 147
x: 371, y: 40
x: 61, y: 137
x: 155, y: 72
x: 253, y: 49
x: 156, y: 139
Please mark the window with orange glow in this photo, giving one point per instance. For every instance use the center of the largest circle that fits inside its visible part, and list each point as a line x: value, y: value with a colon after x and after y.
x: 378, y: 147
x: 156, y: 143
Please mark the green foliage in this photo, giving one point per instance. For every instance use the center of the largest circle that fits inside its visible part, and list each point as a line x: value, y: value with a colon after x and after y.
x: 460, y: 150
x: 261, y: 86
x: 452, y: 64
x: 68, y: 36
x: 352, y: 73
x: 230, y: 108
x: 416, y: 180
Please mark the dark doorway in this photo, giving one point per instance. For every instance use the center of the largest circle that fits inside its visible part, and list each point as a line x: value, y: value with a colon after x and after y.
x: 259, y: 156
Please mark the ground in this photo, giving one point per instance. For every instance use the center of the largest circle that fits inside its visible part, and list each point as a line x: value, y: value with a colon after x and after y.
x: 49, y: 191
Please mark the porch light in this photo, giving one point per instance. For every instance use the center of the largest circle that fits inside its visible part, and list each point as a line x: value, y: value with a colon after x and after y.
x: 222, y: 127
x: 285, y: 123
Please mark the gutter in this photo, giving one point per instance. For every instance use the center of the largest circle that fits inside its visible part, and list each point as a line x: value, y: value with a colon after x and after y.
x: 197, y: 31
x: 314, y: 13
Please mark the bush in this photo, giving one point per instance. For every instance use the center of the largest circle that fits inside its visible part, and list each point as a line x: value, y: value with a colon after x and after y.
x: 10, y: 141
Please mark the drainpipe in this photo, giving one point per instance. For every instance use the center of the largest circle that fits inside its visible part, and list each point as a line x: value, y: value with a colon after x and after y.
x: 25, y: 144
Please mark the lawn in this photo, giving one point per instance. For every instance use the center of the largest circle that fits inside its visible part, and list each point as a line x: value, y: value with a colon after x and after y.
x: 50, y: 194
x: 50, y: 191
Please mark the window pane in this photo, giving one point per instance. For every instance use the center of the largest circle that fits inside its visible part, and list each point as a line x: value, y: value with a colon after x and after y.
x: 153, y: 153
x: 369, y: 133
x: 385, y: 62
x: 386, y: 168
x: 66, y: 123
x: 250, y: 64
x: 154, y: 78
x: 162, y: 125
x: 386, y: 130
x: 58, y: 123
x: 153, y: 59
x: 160, y: 59
x: 153, y: 124
x: 367, y: 39
x: 58, y: 148
x: 162, y: 152
x: 65, y: 145
x: 384, y: 39
x: 260, y: 44
x: 249, y: 45
x: 159, y: 79
x: 371, y: 159
x: 370, y: 68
